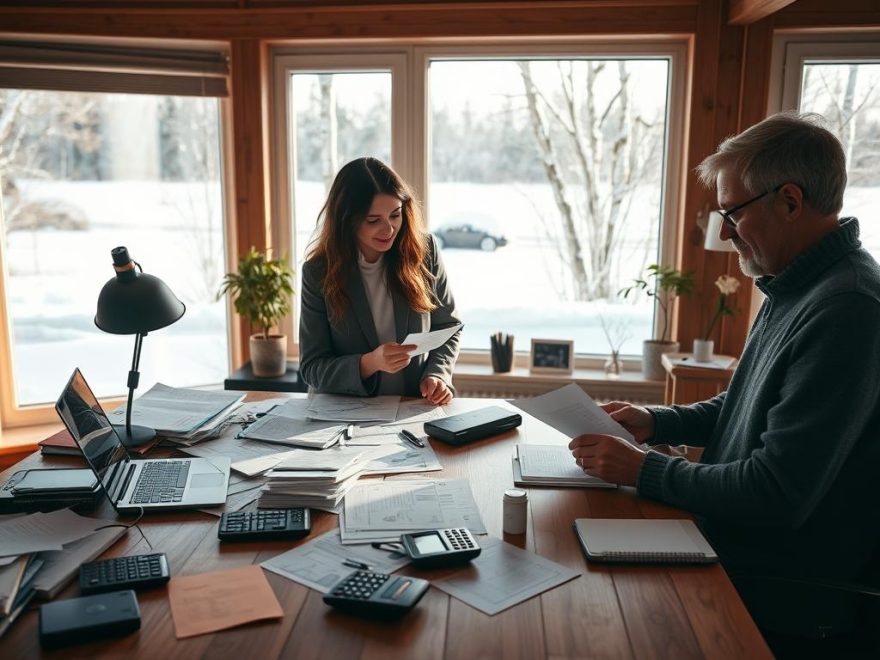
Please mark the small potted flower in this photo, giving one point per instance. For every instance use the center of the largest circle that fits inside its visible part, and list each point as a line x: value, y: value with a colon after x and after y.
x: 704, y: 348
x: 663, y: 284
x: 261, y: 291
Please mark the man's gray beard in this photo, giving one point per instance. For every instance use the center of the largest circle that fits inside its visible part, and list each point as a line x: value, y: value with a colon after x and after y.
x: 750, y: 268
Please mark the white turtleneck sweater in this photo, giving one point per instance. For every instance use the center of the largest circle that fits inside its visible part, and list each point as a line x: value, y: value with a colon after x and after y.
x: 382, y: 309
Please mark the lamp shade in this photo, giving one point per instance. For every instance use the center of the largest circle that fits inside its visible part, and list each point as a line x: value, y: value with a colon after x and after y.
x: 134, y: 302
x: 713, y: 235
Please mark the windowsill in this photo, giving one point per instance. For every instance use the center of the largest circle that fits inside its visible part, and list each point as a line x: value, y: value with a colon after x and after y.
x: 480, y: 380
x: 25, y: 438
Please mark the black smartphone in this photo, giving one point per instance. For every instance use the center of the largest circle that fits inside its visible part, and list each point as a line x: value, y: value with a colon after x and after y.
x: 39, y: 482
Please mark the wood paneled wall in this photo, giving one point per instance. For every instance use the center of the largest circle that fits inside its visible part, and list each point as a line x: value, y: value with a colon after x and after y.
x: 730, y: 67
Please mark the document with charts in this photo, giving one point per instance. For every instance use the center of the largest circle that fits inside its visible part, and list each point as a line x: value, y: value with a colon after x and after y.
x: 571, y: 411
x: 333, y: 407
x: 319, y: 563
x: 383, y: 510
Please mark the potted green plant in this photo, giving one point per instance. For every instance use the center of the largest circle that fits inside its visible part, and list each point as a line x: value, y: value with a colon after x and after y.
x: 261, y: 291
x: 663, y: 284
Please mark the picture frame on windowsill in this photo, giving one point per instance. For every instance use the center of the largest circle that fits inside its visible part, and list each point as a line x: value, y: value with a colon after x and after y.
x: 552, y: 356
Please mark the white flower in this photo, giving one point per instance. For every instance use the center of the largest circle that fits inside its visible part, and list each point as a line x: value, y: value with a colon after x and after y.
x: 727, y: 285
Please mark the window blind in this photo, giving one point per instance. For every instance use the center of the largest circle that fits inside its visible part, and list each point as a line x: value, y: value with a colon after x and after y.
x: 120, y: 69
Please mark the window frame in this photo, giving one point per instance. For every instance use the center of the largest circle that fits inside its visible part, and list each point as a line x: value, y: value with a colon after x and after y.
x: 791, y: 50
x: 15, y: 415
x: 414, y: 130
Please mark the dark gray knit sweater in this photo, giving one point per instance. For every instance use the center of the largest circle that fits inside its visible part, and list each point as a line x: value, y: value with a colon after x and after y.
x: 787, y: 480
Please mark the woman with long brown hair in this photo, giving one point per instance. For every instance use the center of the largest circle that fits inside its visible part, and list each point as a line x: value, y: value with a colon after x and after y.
x: 373, y: 276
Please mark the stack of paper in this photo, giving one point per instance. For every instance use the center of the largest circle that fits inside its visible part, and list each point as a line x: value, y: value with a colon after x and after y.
x: 41, y: 552
x: 16, y: 587
x: 383, y: 510
x: 317, y: 479
x: 184, y: 416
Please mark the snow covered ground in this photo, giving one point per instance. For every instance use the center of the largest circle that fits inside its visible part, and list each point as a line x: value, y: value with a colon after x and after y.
x: 55, y: 277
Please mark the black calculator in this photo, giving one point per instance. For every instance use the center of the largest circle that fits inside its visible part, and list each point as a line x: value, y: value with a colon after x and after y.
x: 135, y: 572
x: 376, y: 595
x: 265, y: 524
x: 441, y: 547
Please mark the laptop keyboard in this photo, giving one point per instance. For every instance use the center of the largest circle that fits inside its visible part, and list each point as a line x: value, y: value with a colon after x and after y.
x: 160, y: 482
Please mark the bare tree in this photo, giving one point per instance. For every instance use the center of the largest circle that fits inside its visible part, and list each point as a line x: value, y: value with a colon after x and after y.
x: 595, y: 151
x: 329, y: 129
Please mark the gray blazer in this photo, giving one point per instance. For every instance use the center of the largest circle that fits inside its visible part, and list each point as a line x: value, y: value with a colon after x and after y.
x: 330, y: 351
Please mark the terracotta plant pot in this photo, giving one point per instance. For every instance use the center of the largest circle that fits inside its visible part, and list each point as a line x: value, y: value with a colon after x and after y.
x: 652, y: 349
x: 268, y: 356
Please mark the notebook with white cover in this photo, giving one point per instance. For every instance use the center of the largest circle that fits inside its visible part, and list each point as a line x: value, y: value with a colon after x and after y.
x: 550, y: 465
x: 650, y: 541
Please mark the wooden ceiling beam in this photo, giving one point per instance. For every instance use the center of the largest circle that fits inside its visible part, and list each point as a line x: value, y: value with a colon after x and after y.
x: 746, y: 12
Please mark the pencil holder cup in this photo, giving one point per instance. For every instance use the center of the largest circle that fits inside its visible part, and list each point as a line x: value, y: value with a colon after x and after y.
x: 502, y: 353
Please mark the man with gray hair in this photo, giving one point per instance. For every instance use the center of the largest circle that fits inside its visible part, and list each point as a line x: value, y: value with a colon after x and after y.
x: 784, y: 488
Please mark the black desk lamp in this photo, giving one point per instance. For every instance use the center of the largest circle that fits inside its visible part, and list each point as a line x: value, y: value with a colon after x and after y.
x: 134, y: 303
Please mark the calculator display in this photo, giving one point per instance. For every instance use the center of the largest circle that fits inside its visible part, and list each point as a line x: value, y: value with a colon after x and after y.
x: 429, y: 543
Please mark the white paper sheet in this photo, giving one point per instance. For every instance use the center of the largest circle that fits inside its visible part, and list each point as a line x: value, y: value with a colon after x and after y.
x: 428, y: 341
x: 44, y: 531
x: 503, y: 576
x: 383, y: 510
x: 547, y: 461
x: 571, y: 411
x: 338, y: 408
x: 318, y: 563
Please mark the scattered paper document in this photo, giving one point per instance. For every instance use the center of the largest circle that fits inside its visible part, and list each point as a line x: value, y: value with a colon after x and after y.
x: 383, y: 510
x: 503, y: 576
x: 428, y: 341
x: 288, y: 424
x: 333, y: 407
x: 318, y: 564
x: 717, y: 362
x: 221, y: 599
x: 44, y: 531
x: 61, y: 566
x: 572, y: 412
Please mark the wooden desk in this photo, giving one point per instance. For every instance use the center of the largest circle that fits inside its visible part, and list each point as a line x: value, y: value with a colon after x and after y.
x: 621, y: 612
x: 690, y: 384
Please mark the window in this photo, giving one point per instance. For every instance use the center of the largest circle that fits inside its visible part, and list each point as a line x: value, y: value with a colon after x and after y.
x: 83, y: 171
x: 840, y: 79
x: 545, y: 173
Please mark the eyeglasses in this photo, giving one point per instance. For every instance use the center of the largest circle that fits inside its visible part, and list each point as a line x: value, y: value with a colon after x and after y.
x: 728, y: 214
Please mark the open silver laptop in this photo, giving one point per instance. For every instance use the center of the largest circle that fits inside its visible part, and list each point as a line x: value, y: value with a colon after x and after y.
x: 172, y: 483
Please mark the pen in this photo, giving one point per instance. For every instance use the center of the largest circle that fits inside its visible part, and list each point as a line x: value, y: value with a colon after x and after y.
x: 411, y: 438
x: 353, y: 563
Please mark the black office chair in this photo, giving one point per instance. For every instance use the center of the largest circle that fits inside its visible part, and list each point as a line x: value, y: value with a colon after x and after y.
x: 816, y: 618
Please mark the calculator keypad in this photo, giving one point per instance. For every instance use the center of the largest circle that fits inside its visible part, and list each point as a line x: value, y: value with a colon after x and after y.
x: 360, y: 585
x: 135, y: 572
x: 459, y: 539
x: 265, y: 524
x: 376, y: 595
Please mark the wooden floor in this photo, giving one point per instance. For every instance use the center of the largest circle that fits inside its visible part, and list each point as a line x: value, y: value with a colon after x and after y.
x: 620, y: 612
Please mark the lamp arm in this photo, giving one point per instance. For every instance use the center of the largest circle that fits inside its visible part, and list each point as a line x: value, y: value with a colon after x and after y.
x: 133, y: 379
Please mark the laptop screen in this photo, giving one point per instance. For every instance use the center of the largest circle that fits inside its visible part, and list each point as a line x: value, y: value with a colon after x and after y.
x: 91, y: 430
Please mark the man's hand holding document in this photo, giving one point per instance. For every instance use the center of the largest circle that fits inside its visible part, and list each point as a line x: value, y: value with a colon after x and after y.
x: 572, y: 412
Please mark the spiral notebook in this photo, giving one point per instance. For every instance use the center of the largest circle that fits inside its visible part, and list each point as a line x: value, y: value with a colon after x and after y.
x: 643, y: 541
